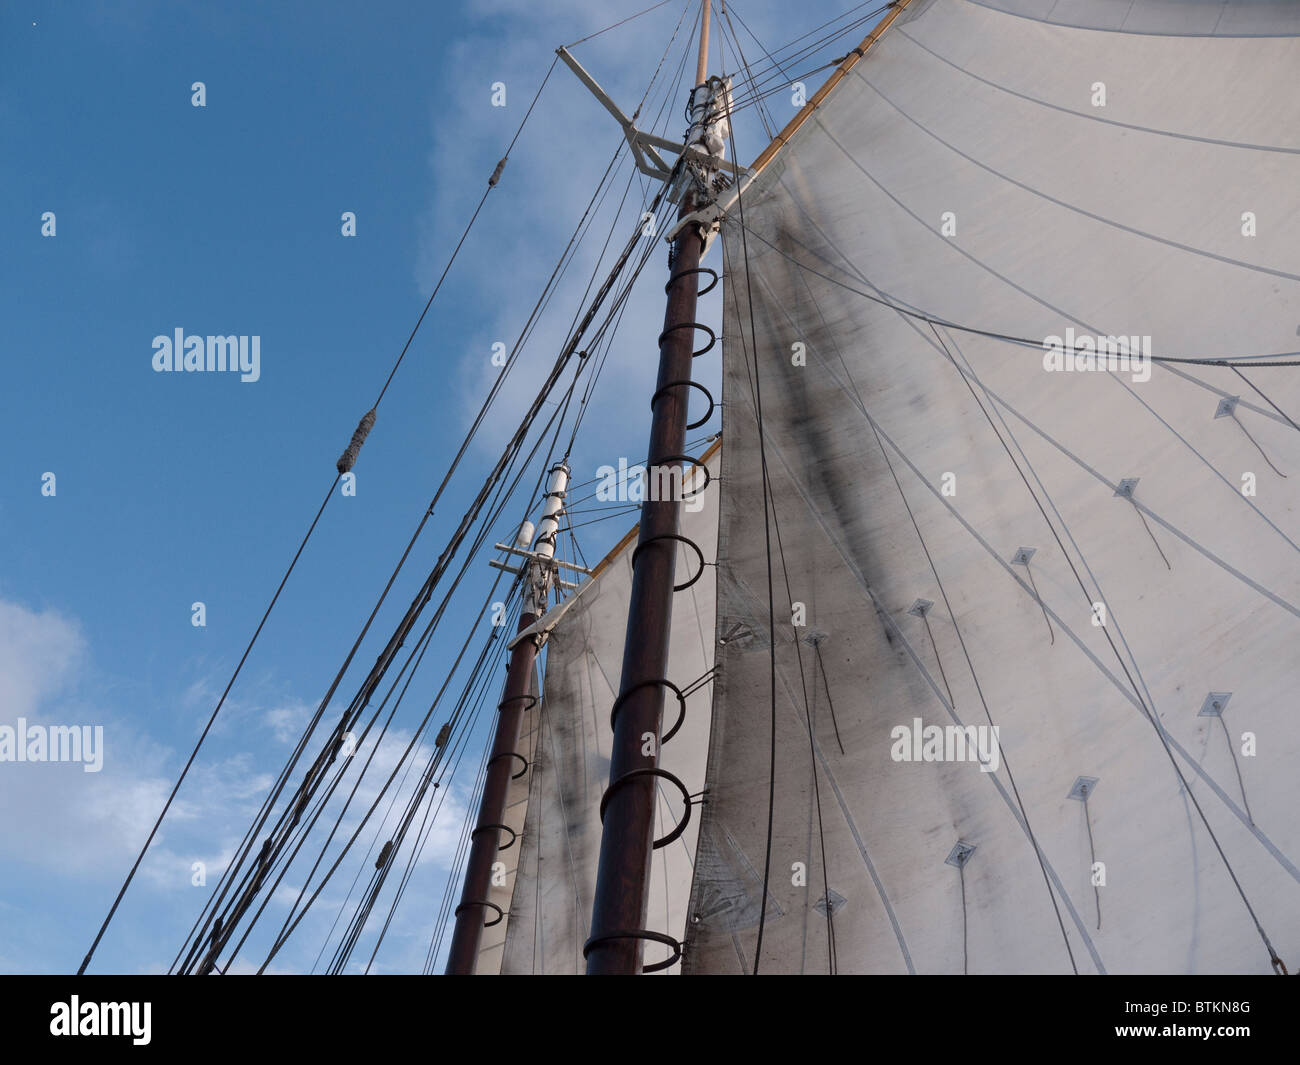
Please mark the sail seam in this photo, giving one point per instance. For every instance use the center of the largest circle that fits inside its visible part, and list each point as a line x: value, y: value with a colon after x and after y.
x: 1098, y: 118
x: 1115, y: 224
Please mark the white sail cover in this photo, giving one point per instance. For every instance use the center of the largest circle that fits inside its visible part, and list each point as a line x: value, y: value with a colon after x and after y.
x: 554, y: 884
x: 1113, y: 563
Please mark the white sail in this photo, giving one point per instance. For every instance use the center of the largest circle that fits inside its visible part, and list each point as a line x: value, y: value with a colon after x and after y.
x: 550, y: 911
x: 1026, y: 168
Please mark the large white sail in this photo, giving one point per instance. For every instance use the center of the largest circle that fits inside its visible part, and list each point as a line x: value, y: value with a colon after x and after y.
x: 1111, y: 560
x: 553, y: 885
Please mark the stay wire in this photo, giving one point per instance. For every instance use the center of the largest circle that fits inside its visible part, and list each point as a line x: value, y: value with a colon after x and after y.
x: 328, y: 495
x: 377, y: 671
x: 620, y: 22
x: 204, y: 735
x: 286, y: 933
x: 503, y: 495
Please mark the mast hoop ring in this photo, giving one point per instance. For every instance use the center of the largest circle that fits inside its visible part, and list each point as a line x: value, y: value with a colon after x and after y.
x: 694, y: 462
x: 693, y: 384
x: 681, y: 702
x: 681, y: 539
x: 652, y: 771
x: 713, y: 337
x: 640, y: 933
x: 501, y: 914
x: 490, y: 828
x: 511, y: 754
x: 696, y: 270
x: 512, y: 698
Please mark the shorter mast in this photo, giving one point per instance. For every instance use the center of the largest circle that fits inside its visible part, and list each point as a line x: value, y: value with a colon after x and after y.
x: 476, y: 911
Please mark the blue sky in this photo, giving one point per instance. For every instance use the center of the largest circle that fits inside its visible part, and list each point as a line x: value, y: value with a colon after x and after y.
x: 177, y: 488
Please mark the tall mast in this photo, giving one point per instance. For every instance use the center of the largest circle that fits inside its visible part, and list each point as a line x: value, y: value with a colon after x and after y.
x: 618, y: 931
x: 476, y: 911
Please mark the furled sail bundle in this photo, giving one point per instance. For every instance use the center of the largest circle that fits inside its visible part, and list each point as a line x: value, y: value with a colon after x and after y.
x: 552, y: 888
x: 973, y: 529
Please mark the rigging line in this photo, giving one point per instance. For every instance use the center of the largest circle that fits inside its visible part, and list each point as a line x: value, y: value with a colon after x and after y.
x: 775, y: 70
x: 1037, y: 595
x: 965, y: 956
x: 422, y: 837
x: 739, y: 52
x: 1092, y: 851
x: 130, y: 876
x: 935, y: 648
x: 671, y: 82
x: 703, y: 438
x: 604, y: 187
x: 592, y: 510
x: 435, y: 942
x: 417, y: 605
x: 961, y: 640
x: 248, y: 840
x: 1249, y: 437
x: 1265, y: 398
x: 771, y: 603
x: 414, y: 801
x: 306, y: 790
x: 246, y: 897
x: 468, y: 817
x: 282, y: 937
x: 498, y: 507
x: 607, y: 337
x: 776, y: 75
x: 1150, y: 712
x: 655, y: 76
x: 1111, y: 677
x: 654, y: 7
x: 471, y: 808
x: 1237, y: 766
x: 414, y: 804
x: 886, y: 300
x: 816, y: 29
x: 311, y: 783
x: 607, y: 517
x: 204, y: 735
x: 829, y: 702
x: 492, y: 183
x: 480, y: 673
x: 1166, y: 561
x: 757, y: 97
x: 289, y: 930
x: 979, y: 688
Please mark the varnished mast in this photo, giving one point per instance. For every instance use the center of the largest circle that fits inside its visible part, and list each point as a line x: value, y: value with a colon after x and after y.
x: 618, y: 931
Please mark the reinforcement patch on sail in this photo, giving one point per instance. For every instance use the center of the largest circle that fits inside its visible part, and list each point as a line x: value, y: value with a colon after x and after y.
x: 1036, y: 596
x: 555, y: 880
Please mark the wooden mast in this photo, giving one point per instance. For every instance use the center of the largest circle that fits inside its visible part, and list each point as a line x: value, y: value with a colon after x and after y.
x: 618, y: 929
x: 476, y: 911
